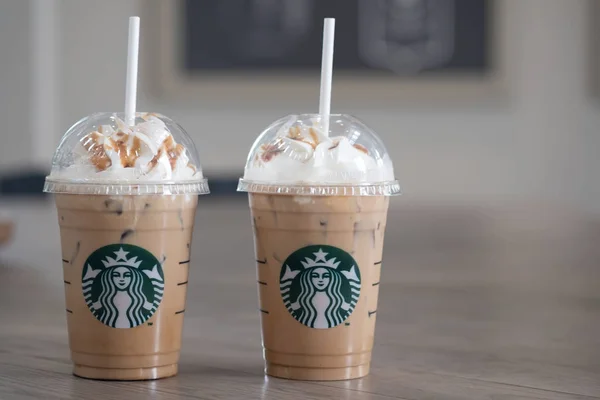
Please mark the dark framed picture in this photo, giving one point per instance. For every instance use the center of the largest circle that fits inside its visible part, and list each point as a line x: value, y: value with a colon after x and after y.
x: 385, y: 50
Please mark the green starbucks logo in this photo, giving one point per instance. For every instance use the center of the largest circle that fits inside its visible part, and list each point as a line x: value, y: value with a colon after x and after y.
x: 122, y: 285
x: 320, y: 285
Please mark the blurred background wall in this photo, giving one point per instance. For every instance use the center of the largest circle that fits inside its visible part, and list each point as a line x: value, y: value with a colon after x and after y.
x: 63, y: 59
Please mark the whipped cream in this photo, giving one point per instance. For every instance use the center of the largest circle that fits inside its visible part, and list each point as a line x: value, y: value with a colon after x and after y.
x: 303, y: 153
x: 144, y: 152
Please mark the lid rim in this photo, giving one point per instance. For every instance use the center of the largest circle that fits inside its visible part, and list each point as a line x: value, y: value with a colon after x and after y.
x: 124, y: 182
x: 197, y: 187
x: 385, y: 188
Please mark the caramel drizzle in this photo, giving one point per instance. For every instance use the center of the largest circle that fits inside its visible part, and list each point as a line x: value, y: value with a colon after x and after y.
x: 98, y: 157
x: 335, y: 144
x: 295, y: 134
x: 173, y: 152
x: 270, y: 151
x: 360, y: 147
x: 154, y: 162
x: 174, y: 155
x: 147, y: 116
x: 128, y: 156
x: 314, y: 136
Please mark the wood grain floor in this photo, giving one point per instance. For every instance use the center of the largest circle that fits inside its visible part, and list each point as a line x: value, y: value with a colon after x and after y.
x: 474, y: 304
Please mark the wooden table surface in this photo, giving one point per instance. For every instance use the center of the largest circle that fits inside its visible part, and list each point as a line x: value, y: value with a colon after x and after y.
x: 474, y: 304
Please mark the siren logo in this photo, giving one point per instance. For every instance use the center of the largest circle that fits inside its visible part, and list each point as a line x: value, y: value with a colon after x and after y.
x: 122, y: 285
x: 320, y: 285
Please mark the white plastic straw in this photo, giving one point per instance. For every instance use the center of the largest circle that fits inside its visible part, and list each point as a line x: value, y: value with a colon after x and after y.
x: 132, y: 70
x: 326, y: 73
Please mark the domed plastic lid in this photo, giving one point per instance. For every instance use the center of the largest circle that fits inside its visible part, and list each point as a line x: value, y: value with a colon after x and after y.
x: 100, y: 154
x: 294, y: 156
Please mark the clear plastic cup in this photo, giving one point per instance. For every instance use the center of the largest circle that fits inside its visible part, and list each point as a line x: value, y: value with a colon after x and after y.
x: 319, y: 207
x: 126, y: 200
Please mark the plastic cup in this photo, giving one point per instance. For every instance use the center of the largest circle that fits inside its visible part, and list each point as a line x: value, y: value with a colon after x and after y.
x: 126, y: 219
x: 319, y: 207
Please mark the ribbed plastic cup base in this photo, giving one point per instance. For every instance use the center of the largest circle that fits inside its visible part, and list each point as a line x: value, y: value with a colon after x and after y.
x: 317, y: 374
x: 125, y: 374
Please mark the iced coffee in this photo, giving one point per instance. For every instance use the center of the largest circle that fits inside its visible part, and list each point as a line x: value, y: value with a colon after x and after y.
x: 319, y: 204
x: 126, y: 197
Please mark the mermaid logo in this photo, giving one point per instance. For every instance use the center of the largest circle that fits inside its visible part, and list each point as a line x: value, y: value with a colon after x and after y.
x: 320, y: 291
x: 122, y: 291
